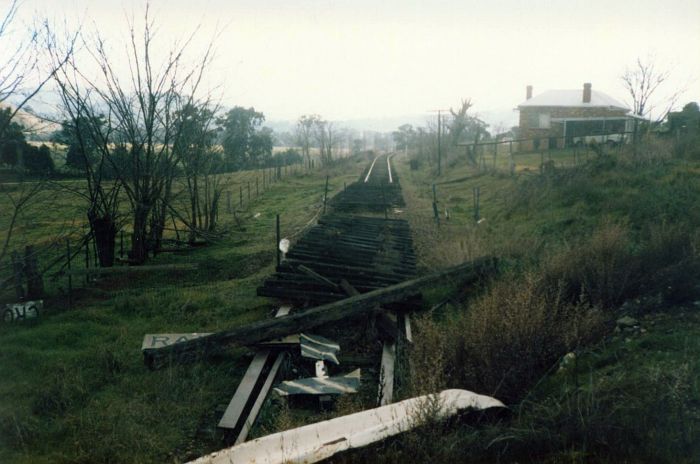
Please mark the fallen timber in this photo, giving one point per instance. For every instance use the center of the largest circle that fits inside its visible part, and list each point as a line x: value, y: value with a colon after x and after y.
x: 316, y: 442
x: 306, y: 319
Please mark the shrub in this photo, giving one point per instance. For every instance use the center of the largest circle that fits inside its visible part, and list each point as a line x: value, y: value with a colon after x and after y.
x: 600, y: 269
x: 504, y: 343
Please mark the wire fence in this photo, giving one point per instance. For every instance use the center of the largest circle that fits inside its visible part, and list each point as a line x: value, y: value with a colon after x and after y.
x: 74, y: 250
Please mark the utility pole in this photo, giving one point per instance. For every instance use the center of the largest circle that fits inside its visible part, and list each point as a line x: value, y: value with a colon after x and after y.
x: 439, y: 139
x: 439, y: 145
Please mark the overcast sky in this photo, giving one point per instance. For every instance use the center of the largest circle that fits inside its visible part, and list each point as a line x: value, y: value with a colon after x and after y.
x: 368, y: 59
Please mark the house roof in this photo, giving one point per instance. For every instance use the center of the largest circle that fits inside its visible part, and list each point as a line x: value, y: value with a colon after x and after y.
x: 573, y: 98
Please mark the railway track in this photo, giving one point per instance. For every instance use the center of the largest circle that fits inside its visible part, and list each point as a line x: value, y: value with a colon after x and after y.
x: 377, y: 190
x: 350, y: 244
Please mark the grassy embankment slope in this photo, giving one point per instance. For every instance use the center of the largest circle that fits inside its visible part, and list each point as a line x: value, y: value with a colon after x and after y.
x: 581, y: 247
x: 73, y: 386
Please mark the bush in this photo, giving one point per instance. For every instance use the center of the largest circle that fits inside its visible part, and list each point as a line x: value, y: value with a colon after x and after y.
x: 600, y: 269
x: 506, y: 341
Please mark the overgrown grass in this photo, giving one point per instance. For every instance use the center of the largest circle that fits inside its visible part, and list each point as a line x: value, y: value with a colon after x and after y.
x: 74, y: 387
x: 580, y: 246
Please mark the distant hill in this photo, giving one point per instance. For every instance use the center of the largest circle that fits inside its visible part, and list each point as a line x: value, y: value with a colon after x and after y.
x: 36, y: 127
x: 503, y: 118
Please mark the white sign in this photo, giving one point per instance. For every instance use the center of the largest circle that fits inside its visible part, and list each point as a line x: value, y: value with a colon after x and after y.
x: 151, y: 341
x: 22, y: 311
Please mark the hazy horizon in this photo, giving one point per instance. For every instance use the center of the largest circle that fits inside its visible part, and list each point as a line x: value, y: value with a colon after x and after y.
x: 361, y: 60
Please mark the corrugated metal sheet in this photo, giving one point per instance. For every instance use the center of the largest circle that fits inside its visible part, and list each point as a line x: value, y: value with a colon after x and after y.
x: 348, y: 383
x: 316, y: 347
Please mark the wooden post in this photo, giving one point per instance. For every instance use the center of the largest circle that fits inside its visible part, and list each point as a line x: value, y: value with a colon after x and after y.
x: 256, y: 187
x: 95, y: 256
x: 512, y: 161
x: 439, y: 136
x: 87, y: 260
x: 18, y: 271
x: 248, y: 191
x: 35, y: 284
x: 477, y: 196
x: 228, y: 201
x: 277, y: 237
x: 70, y: 278
x: 325, y: 196
x: 240, y: 198
x: 436, y: 213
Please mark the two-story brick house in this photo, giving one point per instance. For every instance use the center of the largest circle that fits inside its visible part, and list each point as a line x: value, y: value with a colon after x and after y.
x: 558, y: 118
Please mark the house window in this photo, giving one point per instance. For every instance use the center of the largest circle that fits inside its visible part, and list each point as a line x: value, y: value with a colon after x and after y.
x: 545, y: 121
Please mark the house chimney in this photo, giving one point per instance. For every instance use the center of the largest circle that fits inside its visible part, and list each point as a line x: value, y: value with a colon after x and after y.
x: 528, y: 92
x: 587, y: 92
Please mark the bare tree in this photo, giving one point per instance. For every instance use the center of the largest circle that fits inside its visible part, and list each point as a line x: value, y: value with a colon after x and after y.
x: 139, y: 113
x: 200, y: 163
x: 328, y: 138
x: 643, y: 82
x: 23, y: 73
x: 306, y: 126
x: 460, y: 120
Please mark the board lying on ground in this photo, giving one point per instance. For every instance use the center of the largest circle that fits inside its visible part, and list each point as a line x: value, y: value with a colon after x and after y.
x: 315, y: 442
x: 314, y: 317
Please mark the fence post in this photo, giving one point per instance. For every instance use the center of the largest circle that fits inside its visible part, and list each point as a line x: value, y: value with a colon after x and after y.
x: 228, y: 201
x: 477, y: 197
x: 256, y: 186
x: 18, y: 272
x: 95, y: 256
x: 35, y: 284
x: 512, y: 160
x: 87, y: 259
x: 436, y: 213
x: 277, y: 236
x: 70, y: 277
x: 541, y: 162
x: 248, y: 191
x: 325, y: 195
x: 240, y: 198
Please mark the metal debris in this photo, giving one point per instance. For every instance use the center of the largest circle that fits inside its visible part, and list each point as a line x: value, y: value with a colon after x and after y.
x: 317, y: 347
x: 348, y: 383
